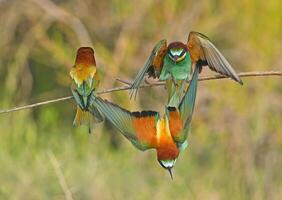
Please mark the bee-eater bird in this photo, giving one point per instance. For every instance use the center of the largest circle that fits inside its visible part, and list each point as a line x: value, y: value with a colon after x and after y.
x: 85, y: 81
x: 173, y: 63
x: 148, y: 130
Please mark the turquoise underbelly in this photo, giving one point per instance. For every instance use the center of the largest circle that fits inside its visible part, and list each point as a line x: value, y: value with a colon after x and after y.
x: 179, y: 71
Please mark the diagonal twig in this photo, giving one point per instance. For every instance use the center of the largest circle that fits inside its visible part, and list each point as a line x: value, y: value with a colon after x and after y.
x: 35, y: 105
x: 128, y: 83
x: 242, y: 74
x: 60, y: 175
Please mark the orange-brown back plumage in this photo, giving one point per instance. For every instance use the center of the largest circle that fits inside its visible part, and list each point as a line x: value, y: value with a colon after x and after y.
x: 166, y: 147
x: 145, y: 128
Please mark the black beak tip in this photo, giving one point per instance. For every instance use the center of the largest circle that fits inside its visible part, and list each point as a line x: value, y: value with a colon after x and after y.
x: 170, y: 173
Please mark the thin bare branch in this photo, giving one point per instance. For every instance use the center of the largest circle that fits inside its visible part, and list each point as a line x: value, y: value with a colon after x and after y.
x: 35, y: 105
x: 206, y: 78
x: 244, y: 74
x: 60, y: 175
x: 128, y: 83
x: 123, y: 81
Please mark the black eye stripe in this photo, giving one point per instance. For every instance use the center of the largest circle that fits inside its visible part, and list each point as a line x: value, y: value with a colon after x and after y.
x: 161, y: 164
x: 182, y: 53
x: 169, y: 52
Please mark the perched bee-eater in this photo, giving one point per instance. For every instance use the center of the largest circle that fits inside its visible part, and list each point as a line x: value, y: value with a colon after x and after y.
x: 148, y: 130
x: 85, y: 81
x: 173, y: 63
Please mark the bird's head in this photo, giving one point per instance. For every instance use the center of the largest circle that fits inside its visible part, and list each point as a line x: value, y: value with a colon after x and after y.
x: 177, y: 51
x: 85, y: 55
x: 168, y: 165
x: 167, y: 156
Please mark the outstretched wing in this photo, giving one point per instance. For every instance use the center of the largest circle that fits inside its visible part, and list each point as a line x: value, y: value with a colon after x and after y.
x: 203, y: 52
x: 138, y: 127
x: 152, y: 67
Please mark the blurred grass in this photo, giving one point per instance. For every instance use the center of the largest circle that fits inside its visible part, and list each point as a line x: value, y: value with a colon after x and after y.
x: 236, y: 142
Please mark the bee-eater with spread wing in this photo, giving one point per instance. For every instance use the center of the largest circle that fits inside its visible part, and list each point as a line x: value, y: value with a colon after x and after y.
x: 148, y: 130
x: 173, y: 63
x: 85, y: 81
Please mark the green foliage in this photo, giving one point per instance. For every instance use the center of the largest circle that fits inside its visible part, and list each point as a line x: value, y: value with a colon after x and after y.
x: 235, y: 146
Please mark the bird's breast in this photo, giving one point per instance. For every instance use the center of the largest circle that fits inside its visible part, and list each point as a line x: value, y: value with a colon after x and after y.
x: 166, y: 148
x: 81, y: 73
x: 178, y: 70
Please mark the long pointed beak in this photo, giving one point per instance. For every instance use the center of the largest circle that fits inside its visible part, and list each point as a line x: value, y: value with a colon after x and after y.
x: 170, y: 172
x: 175, y: 58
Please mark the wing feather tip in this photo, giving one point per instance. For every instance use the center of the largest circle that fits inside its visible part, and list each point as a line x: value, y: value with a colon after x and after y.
x: 240, y: 81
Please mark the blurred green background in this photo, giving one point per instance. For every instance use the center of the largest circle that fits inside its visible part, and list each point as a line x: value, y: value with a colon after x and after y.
x: 235, y: 147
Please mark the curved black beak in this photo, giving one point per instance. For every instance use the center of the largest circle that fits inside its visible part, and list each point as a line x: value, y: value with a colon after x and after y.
x: 170, y: 173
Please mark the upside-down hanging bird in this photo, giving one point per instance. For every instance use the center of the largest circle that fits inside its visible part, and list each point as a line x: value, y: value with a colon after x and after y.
x: 148, y: 130
x: 173, y: 63
x: 85, y: 82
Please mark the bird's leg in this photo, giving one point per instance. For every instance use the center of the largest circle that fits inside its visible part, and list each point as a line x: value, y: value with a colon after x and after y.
x: 89, y: 123
x: 173, y: 79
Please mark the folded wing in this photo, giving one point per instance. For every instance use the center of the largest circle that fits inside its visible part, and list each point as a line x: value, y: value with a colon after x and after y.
x: 186, y: 107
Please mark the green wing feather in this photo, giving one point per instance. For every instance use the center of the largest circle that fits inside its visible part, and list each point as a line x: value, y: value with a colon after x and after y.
x: 157, y: 53
x: 99, y: 117
x: 187, y: 104
x: 83, y: 91
x: 84, y: 103
x: 120, y: 118
x: 77, y: 97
